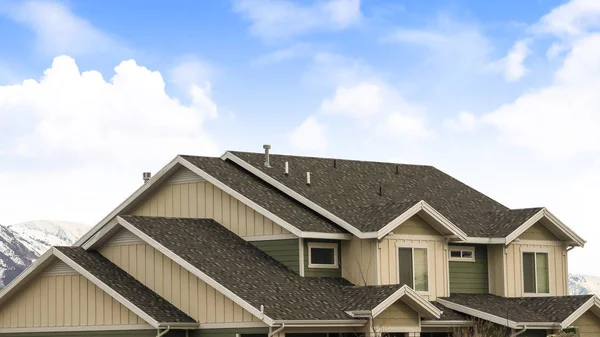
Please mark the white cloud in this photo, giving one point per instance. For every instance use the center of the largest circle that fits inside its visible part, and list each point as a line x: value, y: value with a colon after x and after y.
x: 571, y: 19
x: 59, y: 31
x: 99, y: 132
x: 513, y: 63
x: 362, y: 100
x: 465, y: 121
x: 404, y: 126
x: 310, y: 136
x: 272, y: 19
x: 561, y: 119
x: 285, y: 54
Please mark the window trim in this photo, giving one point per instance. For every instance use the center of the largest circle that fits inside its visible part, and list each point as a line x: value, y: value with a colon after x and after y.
x: 462, y: 249
x: 327, y: 245
x: 413, y: 246
x: 536, y: 251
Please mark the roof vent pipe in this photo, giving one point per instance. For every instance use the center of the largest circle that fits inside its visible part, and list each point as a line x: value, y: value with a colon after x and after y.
x: 146, y: 176
x: 267, y: 147
x: 307, y: 178
x: 287, y: 168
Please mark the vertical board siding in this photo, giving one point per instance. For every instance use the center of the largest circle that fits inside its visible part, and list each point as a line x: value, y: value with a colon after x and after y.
x: 59, y: 301
x: 496, y: 270
x: 175, y: 284
x: 284, y: 251
x: 557, y: 267
x: 202, y: 199
x: 359, y: 259
x: 470, y: 277
x: 436, y: 257
x: 588, y: 324
x: 322, y: 272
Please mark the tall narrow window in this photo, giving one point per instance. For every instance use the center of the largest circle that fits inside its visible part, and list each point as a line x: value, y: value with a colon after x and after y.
x: 413, y: 268
x: 536, y: 273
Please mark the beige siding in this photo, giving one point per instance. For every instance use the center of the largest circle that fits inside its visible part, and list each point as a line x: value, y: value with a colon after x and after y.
x: 359, y: 261
x: 64, y: 301
x: 588, y: 324
x: 538, y: 232
x: 175, y: 284
x: 202, y: 199
x: 415, y: 226
x: 396, y: 316
x: 557, y: 267
x: 496, y: 269
x: 436, y: 255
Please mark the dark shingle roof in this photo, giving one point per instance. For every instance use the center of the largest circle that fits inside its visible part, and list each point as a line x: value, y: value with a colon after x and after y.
x: 227, y: 259
x: 265, y: 195
x: 350, y: 190
x: 522, y: 309
x: 449, y: 314
x: 366, y: 297
x: 125, y: 285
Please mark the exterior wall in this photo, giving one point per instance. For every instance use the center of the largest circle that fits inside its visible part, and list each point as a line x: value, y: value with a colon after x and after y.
x: 64, y: 301
x: 175, y: 284
x: 285, y: 251
x: 588, y: 324
x: 113, y: 333
x: 538, y: 232
x: 201, y: 199
x: 557, y: 266
x: 416, y: 232
x: 496, y: 270
x: 228, y: 332
x: 470, y: 277
x: 322, y: 272
x: 360, y: 259
x: 397, y: 318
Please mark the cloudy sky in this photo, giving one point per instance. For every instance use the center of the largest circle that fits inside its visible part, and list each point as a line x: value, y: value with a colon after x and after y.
x: 503, y: 95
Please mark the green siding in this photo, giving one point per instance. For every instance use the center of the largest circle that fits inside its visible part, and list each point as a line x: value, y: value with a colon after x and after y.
x: 470, y: 277
x: 322, y: 272
x: 284, y: 251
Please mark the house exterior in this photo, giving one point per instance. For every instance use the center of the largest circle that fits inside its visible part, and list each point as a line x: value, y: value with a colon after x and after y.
x: 253, y: 244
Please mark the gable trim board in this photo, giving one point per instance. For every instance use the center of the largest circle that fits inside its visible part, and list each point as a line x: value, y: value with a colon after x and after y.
x: 415, y: 301
x: 91, y: 237
x: 553, y: 220
x: 420, y: 206
x: 52, y: 255
x: 198, y: 273
x: 592, y: 304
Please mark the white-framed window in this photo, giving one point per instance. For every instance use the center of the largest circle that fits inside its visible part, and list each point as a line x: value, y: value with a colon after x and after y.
x: 461, y: 253
x: 323, y: 255
x: 536, y: 272
x: 413, y: 268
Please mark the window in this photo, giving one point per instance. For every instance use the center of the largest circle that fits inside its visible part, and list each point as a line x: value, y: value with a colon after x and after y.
x: 536, y: 273
x: 465, y: 254
x: 322, y: 255
x: 412, y: 266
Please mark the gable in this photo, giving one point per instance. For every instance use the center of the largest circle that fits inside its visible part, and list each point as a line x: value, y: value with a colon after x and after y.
x: 538, y: 232
x: 588, y: 324
x: 415, y: 226
x: 61, y: 297
x: 184, y: 198
x: 397, y: 315
x: 174, y: 283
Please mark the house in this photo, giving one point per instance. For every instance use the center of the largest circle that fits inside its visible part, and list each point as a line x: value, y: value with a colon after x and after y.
x: 255, y: 244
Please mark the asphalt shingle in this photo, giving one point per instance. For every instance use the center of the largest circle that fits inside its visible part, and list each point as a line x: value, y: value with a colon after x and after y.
x: 125, y: 285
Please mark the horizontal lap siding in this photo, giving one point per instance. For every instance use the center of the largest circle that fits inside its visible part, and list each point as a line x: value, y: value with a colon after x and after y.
x: 285, y: 251
x: 64, y: 301
x: 204, y: 200
x: 588, y: 324
x: 470, y: 277
x: 175, y: 284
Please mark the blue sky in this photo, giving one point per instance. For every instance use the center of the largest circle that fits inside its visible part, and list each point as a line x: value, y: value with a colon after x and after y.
x: 500, y: 94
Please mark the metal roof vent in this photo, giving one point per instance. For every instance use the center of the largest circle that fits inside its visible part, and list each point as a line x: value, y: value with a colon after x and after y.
x: 146, y: 176
x: 267, y: 147
x: 307, y: 178
x: 287, y: 168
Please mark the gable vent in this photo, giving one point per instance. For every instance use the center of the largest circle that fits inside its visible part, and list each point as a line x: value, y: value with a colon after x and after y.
x: 124, y: 237
x: 59, y: 268
x: 184, y: 176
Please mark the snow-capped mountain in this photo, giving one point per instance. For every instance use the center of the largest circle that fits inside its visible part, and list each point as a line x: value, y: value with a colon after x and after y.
x: 22, y: 243
x: 580, y: 284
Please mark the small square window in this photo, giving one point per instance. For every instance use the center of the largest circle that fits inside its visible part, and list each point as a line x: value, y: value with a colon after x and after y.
x: 462, y: 254
x: 322, y: 255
